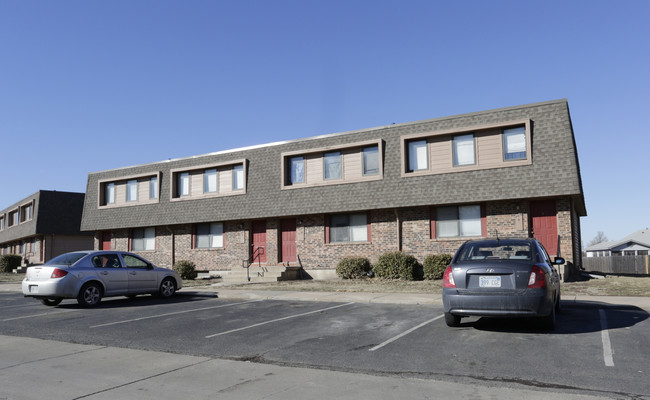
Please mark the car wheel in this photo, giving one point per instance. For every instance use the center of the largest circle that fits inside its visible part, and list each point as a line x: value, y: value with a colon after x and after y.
x: 51, y: 302
x: 90, y: 294
x: 548, y: 322
x: 167, y: 288
x: 452, y: 320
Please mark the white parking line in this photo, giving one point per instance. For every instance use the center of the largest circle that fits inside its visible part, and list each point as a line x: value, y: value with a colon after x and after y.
x: 172, y: 313
x: 37, y: 315
x: 276, y: 320
x: 391, y: 340
x: 608, y: 354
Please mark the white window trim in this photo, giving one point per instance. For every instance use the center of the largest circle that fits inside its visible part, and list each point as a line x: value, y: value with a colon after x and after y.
x: 305, y: 153
x: 200, y: 169
x: 102, y: 202
x: 477, y: 130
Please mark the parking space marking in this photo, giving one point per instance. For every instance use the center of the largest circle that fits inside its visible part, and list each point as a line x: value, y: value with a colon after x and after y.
x: 391, y: 340
x: 126, y: 321
x: 608, y: 354
x: 277, y: 320
x: 37, y: 315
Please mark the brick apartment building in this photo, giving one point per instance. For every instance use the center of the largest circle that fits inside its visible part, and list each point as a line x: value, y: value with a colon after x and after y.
x: 421, y: 187
x: 44, y: 225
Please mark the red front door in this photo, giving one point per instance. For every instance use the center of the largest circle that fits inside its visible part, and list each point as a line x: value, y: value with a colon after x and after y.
x: 259, y: 241
x: 288, y: 238
x: 544, y: 224
x: 106, y: 241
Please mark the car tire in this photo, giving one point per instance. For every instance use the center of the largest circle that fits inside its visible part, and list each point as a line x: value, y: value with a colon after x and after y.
x: 548, y: 322
x: 558, y: 306
x: 452, y: 320
x: 167, y: 288
x: 90, y: 294
x: 51, y: 302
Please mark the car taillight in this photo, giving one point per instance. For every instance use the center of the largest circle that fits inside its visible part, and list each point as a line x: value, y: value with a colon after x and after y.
x: 58, y: 273
x: 448, y: 279
x: 537, y: 278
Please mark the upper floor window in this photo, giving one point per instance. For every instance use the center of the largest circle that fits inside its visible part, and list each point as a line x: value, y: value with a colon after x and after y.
x: 238, y: 177
x: 417, y: 155
x: 143, y: 239
x: 464, y: 153
x: 26, y: 212
x: 132, y: 190
x: 371, y: 160
x: 297, y: 170
x: 110, y: 193
x: 348, y: 228
x: 153, y: 187
x: 514, y: 143
x: 13, y: 218
x: 461, y: 221
x: 332, y: 165
x: 2, y: 223
x: 184, y: 184
x: 209, y: 236
x: 210, y: 180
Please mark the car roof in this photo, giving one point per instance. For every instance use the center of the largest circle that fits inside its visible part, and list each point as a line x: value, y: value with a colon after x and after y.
x: 500, y: 241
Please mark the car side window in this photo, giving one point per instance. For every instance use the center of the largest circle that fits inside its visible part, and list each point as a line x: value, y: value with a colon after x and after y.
x: 106, y: 261
x: 134, y: 262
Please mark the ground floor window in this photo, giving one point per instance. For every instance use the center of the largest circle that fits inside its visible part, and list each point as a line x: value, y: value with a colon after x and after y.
x: 209, y: 236
x: 458, y: 221
x: 348, y: 228
x: 143, y: 239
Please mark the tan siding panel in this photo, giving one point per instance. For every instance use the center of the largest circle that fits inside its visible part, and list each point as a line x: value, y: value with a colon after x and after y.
x: 225, y: 180
x: 440, y: 154
x: 352, y: 164
x: 314, y: 167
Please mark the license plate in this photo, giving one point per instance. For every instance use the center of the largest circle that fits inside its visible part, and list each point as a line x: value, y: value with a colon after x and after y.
x: 489, y: 281
x: 33, y: 288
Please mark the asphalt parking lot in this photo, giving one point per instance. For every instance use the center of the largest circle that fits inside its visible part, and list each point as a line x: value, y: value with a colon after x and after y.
x: 598, y: 349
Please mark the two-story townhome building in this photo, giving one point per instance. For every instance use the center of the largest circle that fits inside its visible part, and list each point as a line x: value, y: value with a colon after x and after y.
x: 421, y: 187
x: 44, y: 225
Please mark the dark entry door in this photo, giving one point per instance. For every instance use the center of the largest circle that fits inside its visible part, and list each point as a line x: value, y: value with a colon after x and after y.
x: 106, y: 241
x: 544, y: 224
x: 288, y: 239
x: 259, y: 240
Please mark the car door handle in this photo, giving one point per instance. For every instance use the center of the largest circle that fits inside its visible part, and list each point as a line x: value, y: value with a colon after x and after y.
x: 104, y: 272
x: 133, y: 273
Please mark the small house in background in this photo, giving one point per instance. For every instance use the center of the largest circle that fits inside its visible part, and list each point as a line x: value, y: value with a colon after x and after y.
x: 636, y: 244
x: 43, y: 226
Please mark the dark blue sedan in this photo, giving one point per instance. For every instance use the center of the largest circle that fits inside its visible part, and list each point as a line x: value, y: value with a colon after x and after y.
x: 502, y: 278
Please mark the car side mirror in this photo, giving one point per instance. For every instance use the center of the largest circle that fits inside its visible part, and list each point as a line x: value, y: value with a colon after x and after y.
x: 558, y: 261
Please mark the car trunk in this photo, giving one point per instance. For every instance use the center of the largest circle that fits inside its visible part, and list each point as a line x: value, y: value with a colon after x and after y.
x: 41, y: 272
x: 494, y: 277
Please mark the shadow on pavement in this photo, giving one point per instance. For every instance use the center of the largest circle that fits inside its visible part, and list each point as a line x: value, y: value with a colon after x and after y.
x: 575, y: 317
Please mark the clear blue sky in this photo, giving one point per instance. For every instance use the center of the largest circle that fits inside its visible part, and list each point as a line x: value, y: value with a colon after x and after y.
x: 92, y: 85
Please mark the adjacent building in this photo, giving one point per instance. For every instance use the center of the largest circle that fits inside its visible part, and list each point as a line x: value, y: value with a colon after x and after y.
x: 421, y: 187
x: 43, y: 226
x: 635, y: 244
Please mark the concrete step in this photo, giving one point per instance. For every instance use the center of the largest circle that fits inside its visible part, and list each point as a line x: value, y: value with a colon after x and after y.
x: 256, y: 273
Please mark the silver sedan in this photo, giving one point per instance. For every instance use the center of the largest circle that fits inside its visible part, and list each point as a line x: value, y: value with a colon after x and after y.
x: 90, y: 275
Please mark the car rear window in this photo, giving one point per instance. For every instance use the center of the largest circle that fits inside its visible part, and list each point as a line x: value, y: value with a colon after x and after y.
x: 496, y: 251
x: 66, y: 259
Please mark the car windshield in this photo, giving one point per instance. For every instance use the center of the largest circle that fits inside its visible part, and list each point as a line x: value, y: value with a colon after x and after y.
x: 66, y: 259
x: 496, y: 251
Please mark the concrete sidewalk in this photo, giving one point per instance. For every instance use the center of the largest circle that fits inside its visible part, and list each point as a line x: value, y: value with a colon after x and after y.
x: 41, y: 369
